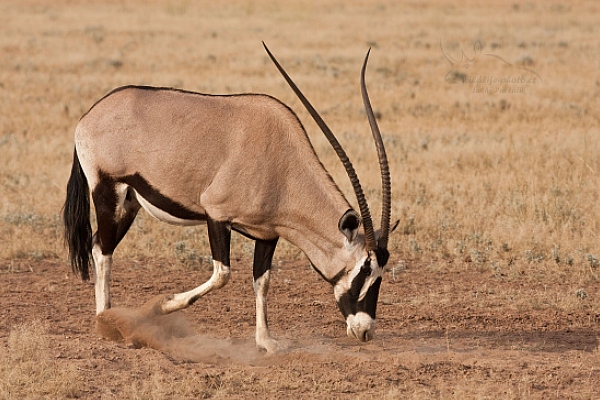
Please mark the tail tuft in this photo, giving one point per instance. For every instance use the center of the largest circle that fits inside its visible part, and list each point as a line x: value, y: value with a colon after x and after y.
x: 76, y: 218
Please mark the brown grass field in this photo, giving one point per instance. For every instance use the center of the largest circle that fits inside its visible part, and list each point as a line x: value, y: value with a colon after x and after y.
x: 490, y: 113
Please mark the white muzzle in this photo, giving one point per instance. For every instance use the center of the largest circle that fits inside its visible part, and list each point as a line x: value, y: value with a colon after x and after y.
x: 360, y: 326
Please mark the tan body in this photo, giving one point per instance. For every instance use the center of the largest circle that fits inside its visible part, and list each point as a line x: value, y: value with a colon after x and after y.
x: 197, y: 149
x: 239, y: 162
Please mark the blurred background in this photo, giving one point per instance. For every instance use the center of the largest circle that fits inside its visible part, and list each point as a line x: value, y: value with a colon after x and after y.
x: 489, y: 114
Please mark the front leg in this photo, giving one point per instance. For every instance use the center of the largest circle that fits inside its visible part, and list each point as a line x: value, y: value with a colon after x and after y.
x: 219, y: 236
x: 263, y: 257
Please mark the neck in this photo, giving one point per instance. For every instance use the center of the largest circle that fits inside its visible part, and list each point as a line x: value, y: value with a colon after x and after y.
x: 315, y: 231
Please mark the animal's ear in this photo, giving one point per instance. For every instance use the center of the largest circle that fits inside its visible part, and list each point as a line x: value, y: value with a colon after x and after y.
x: 349, y: 224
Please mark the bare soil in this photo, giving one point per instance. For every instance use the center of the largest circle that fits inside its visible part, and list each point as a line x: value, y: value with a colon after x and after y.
x: 440, y: 335
x: 492, y: 289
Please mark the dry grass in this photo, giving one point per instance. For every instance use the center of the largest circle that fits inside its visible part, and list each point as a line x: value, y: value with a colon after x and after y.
x: 31, y: 368
x: 485, y: 178
x: 28, y: 369
x: 507, y: 182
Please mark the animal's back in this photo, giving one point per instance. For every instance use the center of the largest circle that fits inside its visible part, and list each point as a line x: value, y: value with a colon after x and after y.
x: 167, y: 129
x: 221, y: 155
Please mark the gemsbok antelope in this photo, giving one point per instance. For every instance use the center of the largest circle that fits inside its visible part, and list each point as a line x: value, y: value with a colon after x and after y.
x: 235, y: 162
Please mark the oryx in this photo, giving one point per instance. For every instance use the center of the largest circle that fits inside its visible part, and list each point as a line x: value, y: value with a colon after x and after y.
x: 235, y: 162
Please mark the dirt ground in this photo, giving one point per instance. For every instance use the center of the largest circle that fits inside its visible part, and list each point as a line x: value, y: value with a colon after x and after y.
x: 440, y: 335
x: 492, y: 288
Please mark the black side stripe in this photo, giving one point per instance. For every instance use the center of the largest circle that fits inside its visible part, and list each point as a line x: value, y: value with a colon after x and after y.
x: 158, y: 200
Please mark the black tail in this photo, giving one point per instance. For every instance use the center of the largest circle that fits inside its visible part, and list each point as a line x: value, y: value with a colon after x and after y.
x: 76, y: 217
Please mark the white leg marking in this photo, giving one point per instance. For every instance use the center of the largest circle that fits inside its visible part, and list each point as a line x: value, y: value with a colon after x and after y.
x: 263, y: 337
x: 102, y: 266
x: 179, y: 301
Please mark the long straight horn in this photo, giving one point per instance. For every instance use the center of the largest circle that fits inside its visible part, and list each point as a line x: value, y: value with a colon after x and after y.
x: 386, y: 203
x: 365, y: 214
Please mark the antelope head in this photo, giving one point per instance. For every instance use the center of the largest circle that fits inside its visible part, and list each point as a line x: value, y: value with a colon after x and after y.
x: 356, y: 287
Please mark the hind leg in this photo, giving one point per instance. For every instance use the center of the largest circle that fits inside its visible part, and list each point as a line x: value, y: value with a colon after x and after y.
x: 116, y: 209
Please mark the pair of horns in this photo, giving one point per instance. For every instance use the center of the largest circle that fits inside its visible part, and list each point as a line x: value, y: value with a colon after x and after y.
x: 371, y: 242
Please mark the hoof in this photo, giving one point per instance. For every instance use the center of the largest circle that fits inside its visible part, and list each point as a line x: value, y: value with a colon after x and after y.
x: 270, y: 345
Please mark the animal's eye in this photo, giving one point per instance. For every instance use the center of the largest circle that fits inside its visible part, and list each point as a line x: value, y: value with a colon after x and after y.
x: 366, y: 267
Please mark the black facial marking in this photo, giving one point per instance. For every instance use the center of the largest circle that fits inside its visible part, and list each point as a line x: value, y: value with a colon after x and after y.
x: 158, y: 200
x: 348, y: 302
x: 347, y: 305
x: 383, y: 255
x: 369, y: 303
x: 366, y: 267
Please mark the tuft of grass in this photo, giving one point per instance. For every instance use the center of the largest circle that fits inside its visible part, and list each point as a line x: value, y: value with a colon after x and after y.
x: 28, y: 369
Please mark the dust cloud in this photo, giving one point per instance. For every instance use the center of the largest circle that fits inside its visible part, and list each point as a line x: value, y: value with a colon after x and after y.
x: 173, y: 334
